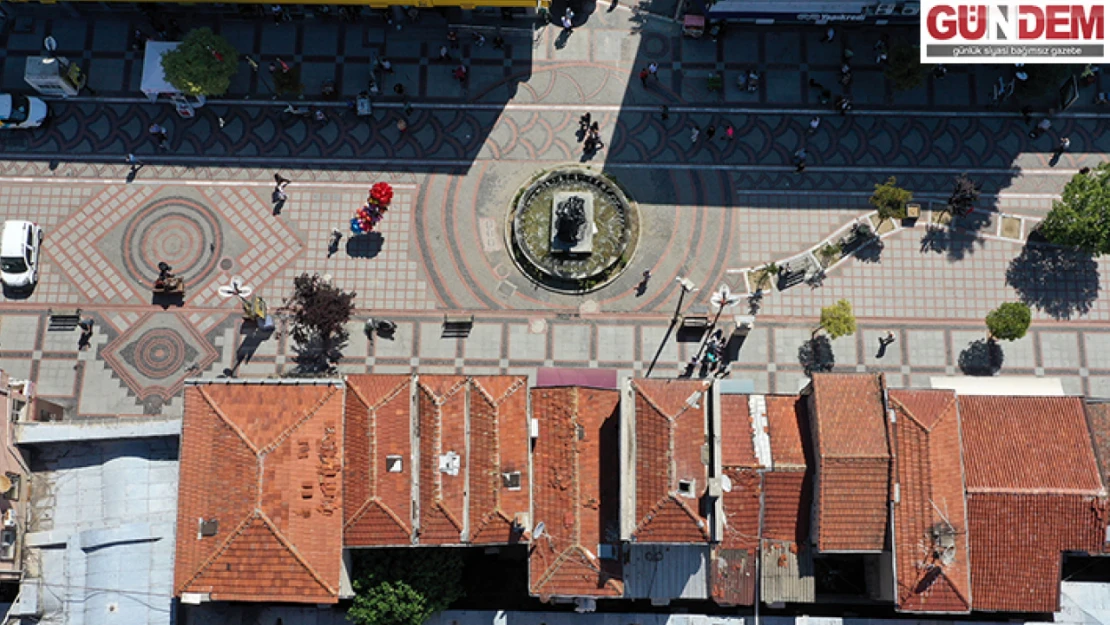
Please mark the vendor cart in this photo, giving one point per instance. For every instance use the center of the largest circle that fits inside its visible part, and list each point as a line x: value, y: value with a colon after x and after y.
x: 693, y: 26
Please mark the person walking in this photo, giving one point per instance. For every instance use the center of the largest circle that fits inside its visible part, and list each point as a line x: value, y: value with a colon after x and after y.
x: 653, y: 69
x: 829, y: 34
x: 800, y: 160
x: 399, y: 89
x: 85, y: 340
x: 1040, y: 128
x: 644, y: 77
x: 694, y: 132
x: 453, y: 38
x: 158, y: 133
x: 568, y: 26
x: 665, y: 112
x: 584, y: 122
x: 279, y: 189
x: 814, y: 124
x: 479, y: 39
x: 730, y: 133
x: 444, y: 55
x: 710, y: 130
x: 385, y: 65
x: 1062, y: 147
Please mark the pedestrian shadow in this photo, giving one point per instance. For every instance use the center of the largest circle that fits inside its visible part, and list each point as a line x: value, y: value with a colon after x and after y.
x: 562, y: 39
x: 816, y: 355
x: 366, y: 245
x: 1058, y: 282
x: 133, y: 173
x: 981, y: 358
x: 278, y: 205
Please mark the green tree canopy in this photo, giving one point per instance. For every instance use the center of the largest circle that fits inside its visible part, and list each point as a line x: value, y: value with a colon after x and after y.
x: 838, y: 320
x: 202, y: 65
x: 1081, y: 217
x: 404, y: 586
x: 890, y: 200
x: 1009, y: 322
x: 904, y: 68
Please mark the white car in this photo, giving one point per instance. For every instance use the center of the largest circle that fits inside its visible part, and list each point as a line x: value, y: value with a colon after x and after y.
x: 20, y: 111
x: 19, y: 253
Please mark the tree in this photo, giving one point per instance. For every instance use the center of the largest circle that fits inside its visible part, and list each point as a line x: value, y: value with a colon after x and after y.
x: 838, y: 320
x: 320, y: 312
x: 1009, y: 321
x: 890, y: 200
x: 904, y: 68
x: 963, y: 197
x: 405, y: 586
x: 1081, y: 217
x: 202, y: 65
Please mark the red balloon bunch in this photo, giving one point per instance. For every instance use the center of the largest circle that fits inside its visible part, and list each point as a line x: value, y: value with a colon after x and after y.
x: 381, y: 194
x: 367, y: 217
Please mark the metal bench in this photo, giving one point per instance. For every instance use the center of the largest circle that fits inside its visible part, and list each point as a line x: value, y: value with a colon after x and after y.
x: 63, y: 319
x: 457, y: 326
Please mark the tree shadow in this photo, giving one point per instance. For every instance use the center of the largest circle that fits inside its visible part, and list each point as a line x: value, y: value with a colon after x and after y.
x: 981, y: 358
x: 960, y: 238
x: 365, y: 245
x: 816, y: 355
x: 870, y: 252
x: 1058, y: 282
x: 315, y: 358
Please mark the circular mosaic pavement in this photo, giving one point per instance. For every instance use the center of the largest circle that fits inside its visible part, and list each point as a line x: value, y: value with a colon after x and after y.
x: 159, y: 353
x: 174, y: 230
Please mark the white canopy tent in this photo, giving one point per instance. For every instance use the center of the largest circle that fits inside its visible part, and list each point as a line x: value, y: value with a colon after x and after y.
x: 154, y: 79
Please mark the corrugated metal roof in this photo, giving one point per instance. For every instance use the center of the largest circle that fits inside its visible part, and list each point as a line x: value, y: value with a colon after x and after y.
x: 786, y: 573
x: 654, y: 571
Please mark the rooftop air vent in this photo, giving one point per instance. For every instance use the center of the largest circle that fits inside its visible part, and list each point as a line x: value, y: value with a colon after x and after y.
x: 686, y: 488
x: 209, y: 527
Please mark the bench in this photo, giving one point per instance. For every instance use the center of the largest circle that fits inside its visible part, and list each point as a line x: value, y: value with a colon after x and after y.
x: 696, y: 318
x: 457, y: 325
x: 63, y: 318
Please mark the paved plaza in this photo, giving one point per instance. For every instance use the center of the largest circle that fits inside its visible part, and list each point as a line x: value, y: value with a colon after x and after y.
x: 711, y: 211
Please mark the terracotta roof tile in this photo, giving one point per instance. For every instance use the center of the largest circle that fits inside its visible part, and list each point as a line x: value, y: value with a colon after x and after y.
x: 1016, y: 545
x: 733, y: 568
x: 265, y: 462
x: 1028, y: 444
x: 737, y: 449
x: 1098, y: 415
x: 788, y: 429
x: 377, y: 501
x: 786, y: 505
x: 933, y: 576
x: 574, y: 492
x: 499, y: 443
x: 441, y: 412
x: 670, y: 434
x: 849, y: 428
x: 849, y: 415
x: 852, y: 504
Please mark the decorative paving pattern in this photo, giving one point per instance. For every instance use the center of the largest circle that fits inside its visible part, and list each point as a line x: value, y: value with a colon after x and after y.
x: 154, y: 356
x: 175, y: 230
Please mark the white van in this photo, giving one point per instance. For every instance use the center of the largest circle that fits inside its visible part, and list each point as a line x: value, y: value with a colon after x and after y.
x: 20, y: 111
x: 20, y: 244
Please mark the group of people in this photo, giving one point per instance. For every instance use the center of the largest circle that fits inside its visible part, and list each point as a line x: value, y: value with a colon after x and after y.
x: 592, y: 132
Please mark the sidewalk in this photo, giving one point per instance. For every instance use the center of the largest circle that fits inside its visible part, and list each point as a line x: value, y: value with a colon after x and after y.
x: 327, y: 48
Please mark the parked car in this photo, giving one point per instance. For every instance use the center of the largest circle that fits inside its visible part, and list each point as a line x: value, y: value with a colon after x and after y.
x: 19, y: 253
x: 20, y: 111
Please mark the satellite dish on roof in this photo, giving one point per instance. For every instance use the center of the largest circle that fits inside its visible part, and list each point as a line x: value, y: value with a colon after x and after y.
x: 540, y: 527
x: 726, y: 484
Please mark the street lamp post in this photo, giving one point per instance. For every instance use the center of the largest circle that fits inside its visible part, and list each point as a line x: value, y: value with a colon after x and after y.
x: 687, y: 287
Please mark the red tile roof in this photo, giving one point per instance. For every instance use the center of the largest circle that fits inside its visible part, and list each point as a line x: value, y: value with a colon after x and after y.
x: 670, y: 434
x: 1016, y: 545
x: 853, y: 461
x: 1098, y: 415
x: 931, y: 577
x: 1033, y: 491
x: 378, y: 502
x: 1028, y: 444
x: 737, y: 449
x: 733, y: 568
x: 789, y: 430
x: 574, y: 492
x: 264, y: 461
x: 499, y: 444
x: 441, y: 413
